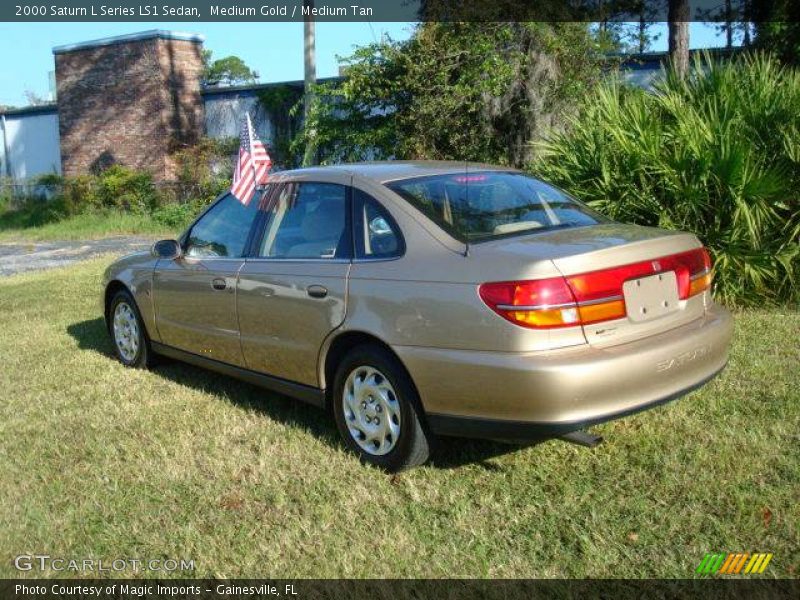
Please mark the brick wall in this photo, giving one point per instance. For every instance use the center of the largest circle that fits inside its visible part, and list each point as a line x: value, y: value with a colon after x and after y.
x: 131, y: 102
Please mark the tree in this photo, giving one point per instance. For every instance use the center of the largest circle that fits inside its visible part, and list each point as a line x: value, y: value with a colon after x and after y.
x: 458, y: 91
x: 230, y: 70
x: 734, y: 19
x: 611, y: 35
x: 625, y: 26
x: 35, y: 99
x: 777, y: 28
x: 642, y: 37
x: 678, y: 16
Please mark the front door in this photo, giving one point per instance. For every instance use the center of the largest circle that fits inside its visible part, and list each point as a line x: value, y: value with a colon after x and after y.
x: 195, y: 295
x: 291, y: 294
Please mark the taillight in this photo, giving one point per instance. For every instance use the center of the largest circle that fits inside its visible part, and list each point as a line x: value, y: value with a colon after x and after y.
x: 469, y: 178
x: 541, y: 303
x: 590, y: 297
x: 700, y: 279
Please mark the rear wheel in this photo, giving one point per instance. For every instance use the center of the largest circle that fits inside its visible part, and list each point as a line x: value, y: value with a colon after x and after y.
x: 127, y: 331
x: 377, y: 410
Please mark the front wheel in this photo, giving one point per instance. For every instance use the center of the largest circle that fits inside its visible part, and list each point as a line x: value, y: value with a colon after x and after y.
x: 127, y: 331
x: 377, y: 410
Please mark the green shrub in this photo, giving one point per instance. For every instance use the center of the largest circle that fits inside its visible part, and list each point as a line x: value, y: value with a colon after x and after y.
x: 124, y: 188
x: 80, y: 194
x: 53, y: 180
x: 117, y: 187
x: 717, y: 154
x: 179, y: 216
x: 198, y: 170
x: 121, y: 190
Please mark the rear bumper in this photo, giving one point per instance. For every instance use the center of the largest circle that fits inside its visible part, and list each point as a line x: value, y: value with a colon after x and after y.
x: 530, y: 395
x: 497, y: 429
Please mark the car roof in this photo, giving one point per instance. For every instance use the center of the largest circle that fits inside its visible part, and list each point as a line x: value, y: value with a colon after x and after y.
x: 392, y: 170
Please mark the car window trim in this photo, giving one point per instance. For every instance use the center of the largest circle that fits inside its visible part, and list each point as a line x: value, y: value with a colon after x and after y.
x: 298, y: 260
x: 359, y: 228
x: 260, y: 222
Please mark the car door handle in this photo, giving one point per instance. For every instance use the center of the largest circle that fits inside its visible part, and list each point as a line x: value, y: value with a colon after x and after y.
x: 317, y: 291
x: 219, y: 283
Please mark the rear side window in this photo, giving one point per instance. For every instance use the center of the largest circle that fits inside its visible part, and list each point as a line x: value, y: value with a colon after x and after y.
x: 377, y: 233
x: 484, y: 205
x: 223, y: 231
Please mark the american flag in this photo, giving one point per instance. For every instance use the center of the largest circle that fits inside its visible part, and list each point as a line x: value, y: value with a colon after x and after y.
x: 253, y: 165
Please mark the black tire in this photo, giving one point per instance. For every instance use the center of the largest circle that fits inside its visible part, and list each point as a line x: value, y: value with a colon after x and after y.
x: 143, y: 356
x: 414, y: 442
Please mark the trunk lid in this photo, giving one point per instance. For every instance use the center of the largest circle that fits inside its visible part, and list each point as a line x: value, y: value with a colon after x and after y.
x: 650, y: 295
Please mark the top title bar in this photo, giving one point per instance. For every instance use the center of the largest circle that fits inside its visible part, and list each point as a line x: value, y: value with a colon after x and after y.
x: 380, y: 10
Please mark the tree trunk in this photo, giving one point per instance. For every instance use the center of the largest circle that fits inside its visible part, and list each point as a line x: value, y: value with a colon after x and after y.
x: 747, y: 18
x: 728, y: 24
x: 309, y: 79
x: 679, y: 35
x: 642, y: 33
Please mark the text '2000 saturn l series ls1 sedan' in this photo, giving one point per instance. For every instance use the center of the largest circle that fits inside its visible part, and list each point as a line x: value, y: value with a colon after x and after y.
x: 421, y: 298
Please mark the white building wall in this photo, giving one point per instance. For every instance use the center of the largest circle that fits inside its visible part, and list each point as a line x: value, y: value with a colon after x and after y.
x: 224, y: 113
x: 32, y: 142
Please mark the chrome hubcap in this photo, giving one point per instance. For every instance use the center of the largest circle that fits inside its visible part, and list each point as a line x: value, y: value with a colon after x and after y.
x: 371, y: 410
x: 126, y: 331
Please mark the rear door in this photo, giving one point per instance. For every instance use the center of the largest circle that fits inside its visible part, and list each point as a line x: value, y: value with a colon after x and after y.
x: 292, y: 292
x: 195, y: 295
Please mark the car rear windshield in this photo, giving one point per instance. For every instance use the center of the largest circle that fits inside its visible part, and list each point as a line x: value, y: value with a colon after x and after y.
x: 479, y: 206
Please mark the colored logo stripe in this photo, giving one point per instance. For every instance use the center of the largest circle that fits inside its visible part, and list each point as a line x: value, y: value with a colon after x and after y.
x: 711, y: 563
x: 758, y: 563
x: 734, y: 563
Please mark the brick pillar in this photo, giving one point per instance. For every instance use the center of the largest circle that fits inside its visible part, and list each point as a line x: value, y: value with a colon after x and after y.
x: 131, y: 100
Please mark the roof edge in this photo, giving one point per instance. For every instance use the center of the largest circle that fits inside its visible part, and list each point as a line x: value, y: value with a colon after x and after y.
x: 49, y: 108
x: 162, y: 34
x: 216, y: 90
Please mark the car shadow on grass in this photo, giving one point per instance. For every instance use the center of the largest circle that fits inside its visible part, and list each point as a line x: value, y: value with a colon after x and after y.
x: 450, y: 453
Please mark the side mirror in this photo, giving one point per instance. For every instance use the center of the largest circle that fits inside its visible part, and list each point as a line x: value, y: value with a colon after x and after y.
x: 168, y: 249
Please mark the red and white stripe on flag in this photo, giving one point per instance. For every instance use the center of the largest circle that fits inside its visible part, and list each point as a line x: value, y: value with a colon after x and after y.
x: 253, y: 165
x: 262, y: 163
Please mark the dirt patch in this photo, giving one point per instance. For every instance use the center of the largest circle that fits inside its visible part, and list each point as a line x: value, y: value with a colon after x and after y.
x: 21, y: 257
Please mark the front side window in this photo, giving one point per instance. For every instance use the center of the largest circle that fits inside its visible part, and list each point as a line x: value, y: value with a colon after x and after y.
x: 378, y: 235
x: 222, y: 231
x: 484, y: 205
x: 306, y: 220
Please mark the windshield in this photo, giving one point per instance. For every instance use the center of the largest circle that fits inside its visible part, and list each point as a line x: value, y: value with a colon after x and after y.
x: 486, y: 205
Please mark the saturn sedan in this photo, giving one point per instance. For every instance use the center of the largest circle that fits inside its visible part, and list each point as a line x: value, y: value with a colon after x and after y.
x: 419, y: 299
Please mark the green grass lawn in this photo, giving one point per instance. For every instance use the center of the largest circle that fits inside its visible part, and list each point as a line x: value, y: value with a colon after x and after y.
x: 30, y: 226
x: 104, y: 462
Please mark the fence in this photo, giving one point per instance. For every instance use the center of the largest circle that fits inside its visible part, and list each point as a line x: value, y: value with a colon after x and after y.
x: 14, y: 194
